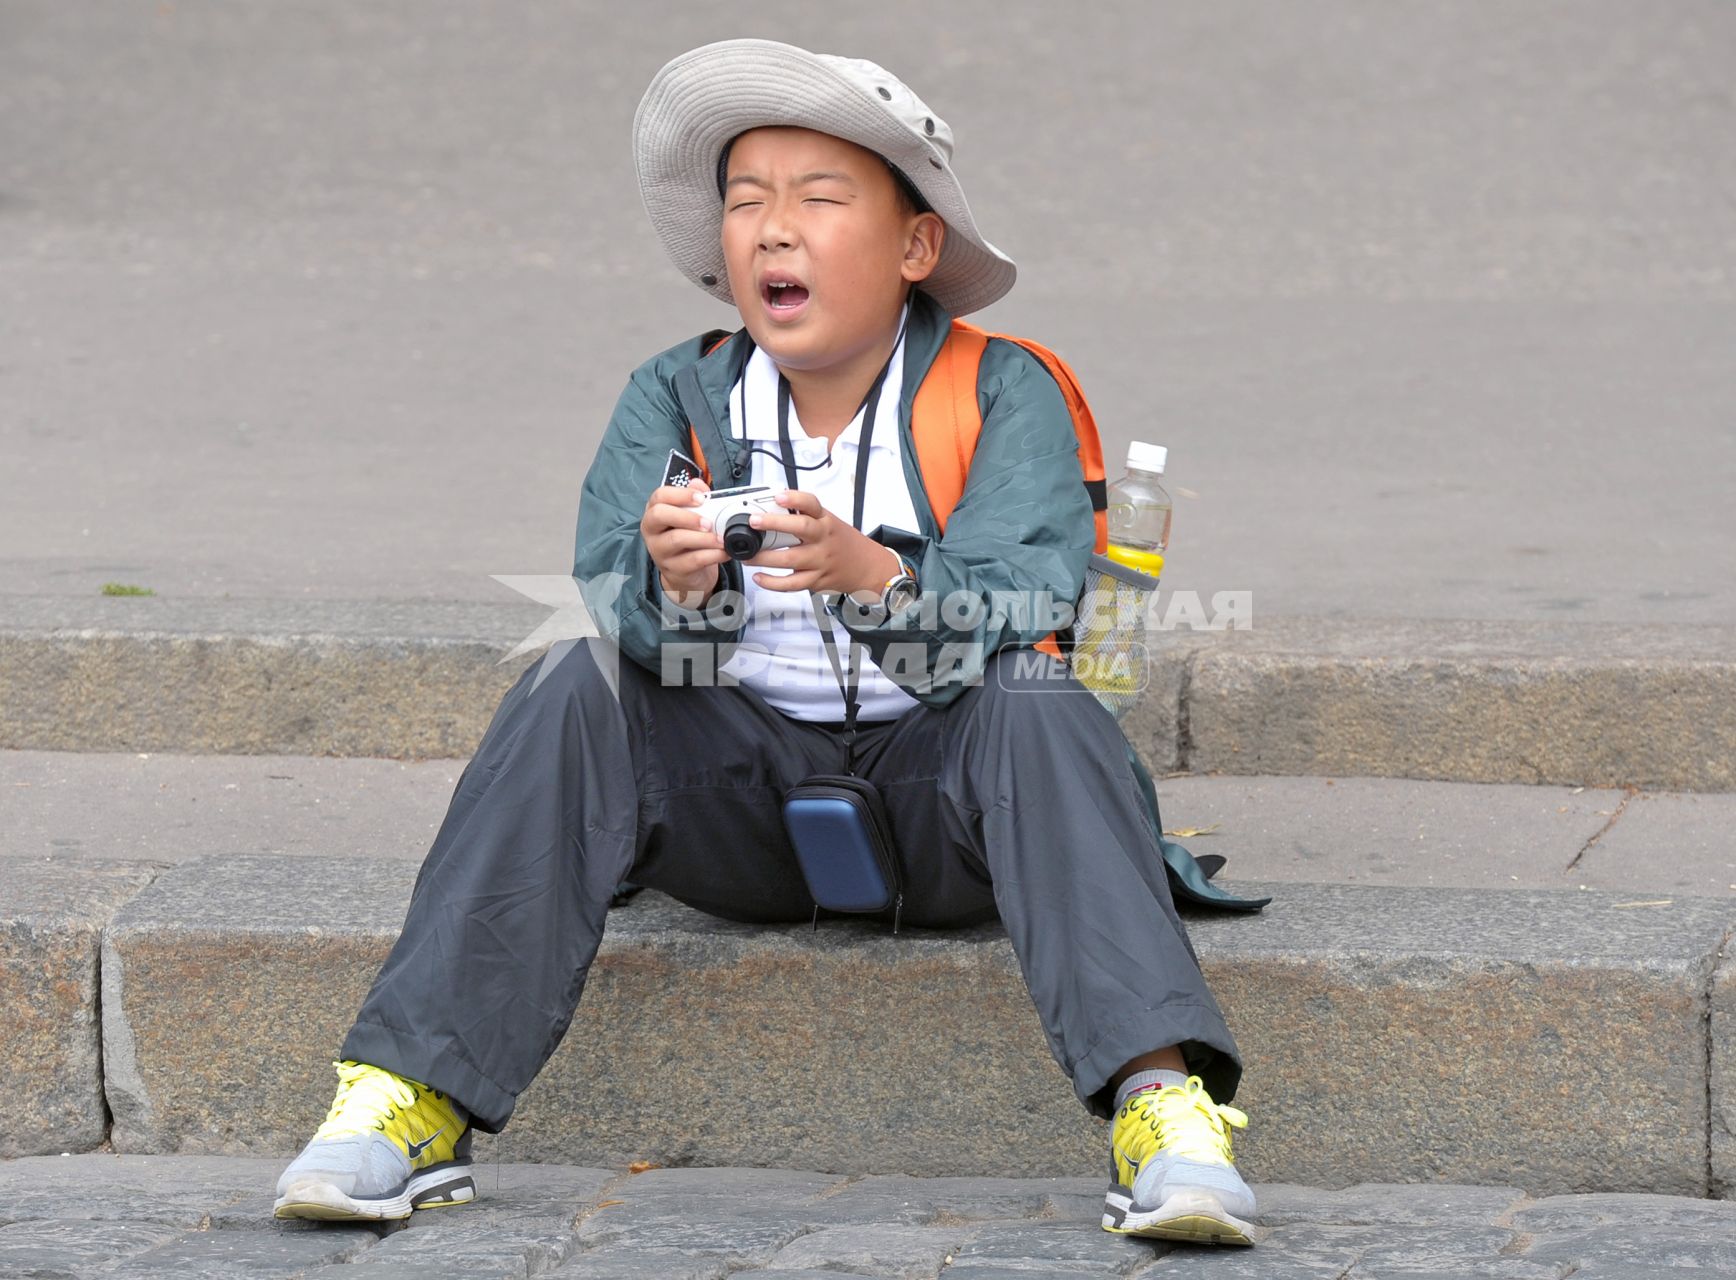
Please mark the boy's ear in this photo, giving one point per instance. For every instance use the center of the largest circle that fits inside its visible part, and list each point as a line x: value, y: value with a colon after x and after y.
x: 922, y: 252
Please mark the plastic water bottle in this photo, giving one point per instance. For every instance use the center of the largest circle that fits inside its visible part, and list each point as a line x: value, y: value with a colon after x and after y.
x: 1139, y: 511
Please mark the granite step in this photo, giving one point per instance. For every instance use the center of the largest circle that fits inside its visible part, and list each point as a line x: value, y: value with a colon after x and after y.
x: 169, y: 808
x: 1540, y: 703
x: 1555, y: 1040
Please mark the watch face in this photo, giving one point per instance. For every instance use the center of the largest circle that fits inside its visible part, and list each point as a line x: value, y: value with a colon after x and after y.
x: 900, y: 595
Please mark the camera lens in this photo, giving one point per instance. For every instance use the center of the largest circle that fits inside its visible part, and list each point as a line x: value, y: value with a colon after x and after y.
x: 740, y: 538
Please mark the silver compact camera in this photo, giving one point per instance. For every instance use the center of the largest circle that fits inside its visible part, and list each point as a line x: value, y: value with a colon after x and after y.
x: 729, y: 509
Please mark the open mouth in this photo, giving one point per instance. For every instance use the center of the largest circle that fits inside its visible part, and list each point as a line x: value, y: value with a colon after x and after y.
x: 780, y: 296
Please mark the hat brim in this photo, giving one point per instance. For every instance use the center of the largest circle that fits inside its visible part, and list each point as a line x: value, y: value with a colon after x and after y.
x: 705, y: 97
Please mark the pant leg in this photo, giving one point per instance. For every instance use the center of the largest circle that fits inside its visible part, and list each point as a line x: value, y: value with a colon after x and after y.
x: 1019, y: 792
x: 591, y: 771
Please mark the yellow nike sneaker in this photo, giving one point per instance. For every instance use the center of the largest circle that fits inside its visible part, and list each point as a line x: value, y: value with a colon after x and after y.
x: 388, y: 1146
x: 1173, y: 1175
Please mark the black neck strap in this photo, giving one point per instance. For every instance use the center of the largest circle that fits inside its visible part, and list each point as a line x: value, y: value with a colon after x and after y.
x: 867, y: 409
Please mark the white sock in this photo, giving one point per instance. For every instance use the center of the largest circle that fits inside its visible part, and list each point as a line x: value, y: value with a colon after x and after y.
x: 1145, y: 1080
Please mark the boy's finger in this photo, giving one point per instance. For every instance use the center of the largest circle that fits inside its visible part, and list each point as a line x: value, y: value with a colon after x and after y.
x: 684, y: 542
x: 693, y: 561
x: 782, y: 520
x: 690, y: 539
x: 798, y: 581
x: 777, y: 558
x: 663, y: 515
x: 798, y: 500
x: 687, y: 559
x: 679, y: 495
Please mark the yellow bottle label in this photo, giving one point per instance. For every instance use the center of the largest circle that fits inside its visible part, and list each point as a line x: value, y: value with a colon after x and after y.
x: 1136, y: 558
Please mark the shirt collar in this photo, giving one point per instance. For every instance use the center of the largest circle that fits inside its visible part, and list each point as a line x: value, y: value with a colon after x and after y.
x: 759, y: 380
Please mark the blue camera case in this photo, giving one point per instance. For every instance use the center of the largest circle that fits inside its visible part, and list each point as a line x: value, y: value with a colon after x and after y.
x: 838, y: 827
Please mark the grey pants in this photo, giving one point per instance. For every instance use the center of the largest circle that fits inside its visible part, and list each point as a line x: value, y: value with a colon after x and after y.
x: 1013, y: 800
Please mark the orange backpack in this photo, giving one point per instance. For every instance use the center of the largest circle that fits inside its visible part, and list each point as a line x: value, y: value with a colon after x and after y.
x: 945, y: 421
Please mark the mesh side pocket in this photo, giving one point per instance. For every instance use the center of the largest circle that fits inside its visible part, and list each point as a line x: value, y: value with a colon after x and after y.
x: 1109, y: 651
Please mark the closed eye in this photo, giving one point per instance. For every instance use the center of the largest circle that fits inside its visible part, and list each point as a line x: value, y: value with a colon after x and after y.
x: 746, y: 204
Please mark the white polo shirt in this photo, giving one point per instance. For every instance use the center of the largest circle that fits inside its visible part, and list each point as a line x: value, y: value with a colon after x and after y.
x: 782, y: 657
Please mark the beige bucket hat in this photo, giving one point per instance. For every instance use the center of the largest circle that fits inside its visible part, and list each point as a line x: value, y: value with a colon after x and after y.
x: 705, y: 97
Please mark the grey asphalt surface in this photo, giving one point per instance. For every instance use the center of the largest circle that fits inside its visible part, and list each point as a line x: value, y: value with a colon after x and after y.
x: 1432, y: 303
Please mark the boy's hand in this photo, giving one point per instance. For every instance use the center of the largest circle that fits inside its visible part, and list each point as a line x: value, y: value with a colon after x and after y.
x: 833, y: 555
x: 687, y: 555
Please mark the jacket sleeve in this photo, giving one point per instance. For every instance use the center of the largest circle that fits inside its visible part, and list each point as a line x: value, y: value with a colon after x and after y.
x: 616, y: 577
x: 1016, y: 546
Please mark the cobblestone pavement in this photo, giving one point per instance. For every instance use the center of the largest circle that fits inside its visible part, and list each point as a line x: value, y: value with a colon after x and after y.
x: 178, y: 1216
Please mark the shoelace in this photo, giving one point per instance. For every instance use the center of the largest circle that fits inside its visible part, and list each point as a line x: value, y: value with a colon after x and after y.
x: 1185, y: 1121
x: 368, y: 1098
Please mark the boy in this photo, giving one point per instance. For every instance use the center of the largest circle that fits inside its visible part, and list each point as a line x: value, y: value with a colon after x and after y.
x: 816, y: 193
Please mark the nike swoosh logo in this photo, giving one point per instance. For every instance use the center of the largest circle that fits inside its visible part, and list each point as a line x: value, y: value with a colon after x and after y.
x: 417, y: 1148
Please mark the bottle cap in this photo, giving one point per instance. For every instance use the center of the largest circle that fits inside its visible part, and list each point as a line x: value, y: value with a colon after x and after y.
x: 1147, y: 457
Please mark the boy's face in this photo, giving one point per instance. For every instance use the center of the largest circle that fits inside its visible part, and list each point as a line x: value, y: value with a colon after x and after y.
x: 843, y: 237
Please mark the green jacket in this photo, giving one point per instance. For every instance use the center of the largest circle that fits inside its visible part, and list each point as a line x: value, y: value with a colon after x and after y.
x: 1022, y: 525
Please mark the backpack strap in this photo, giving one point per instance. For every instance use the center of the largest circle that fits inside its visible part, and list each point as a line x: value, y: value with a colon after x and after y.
x: 946, y: 420
x: 693, y: 403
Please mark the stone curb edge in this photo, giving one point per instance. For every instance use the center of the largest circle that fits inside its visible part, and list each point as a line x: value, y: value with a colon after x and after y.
x: 1440, y: 700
